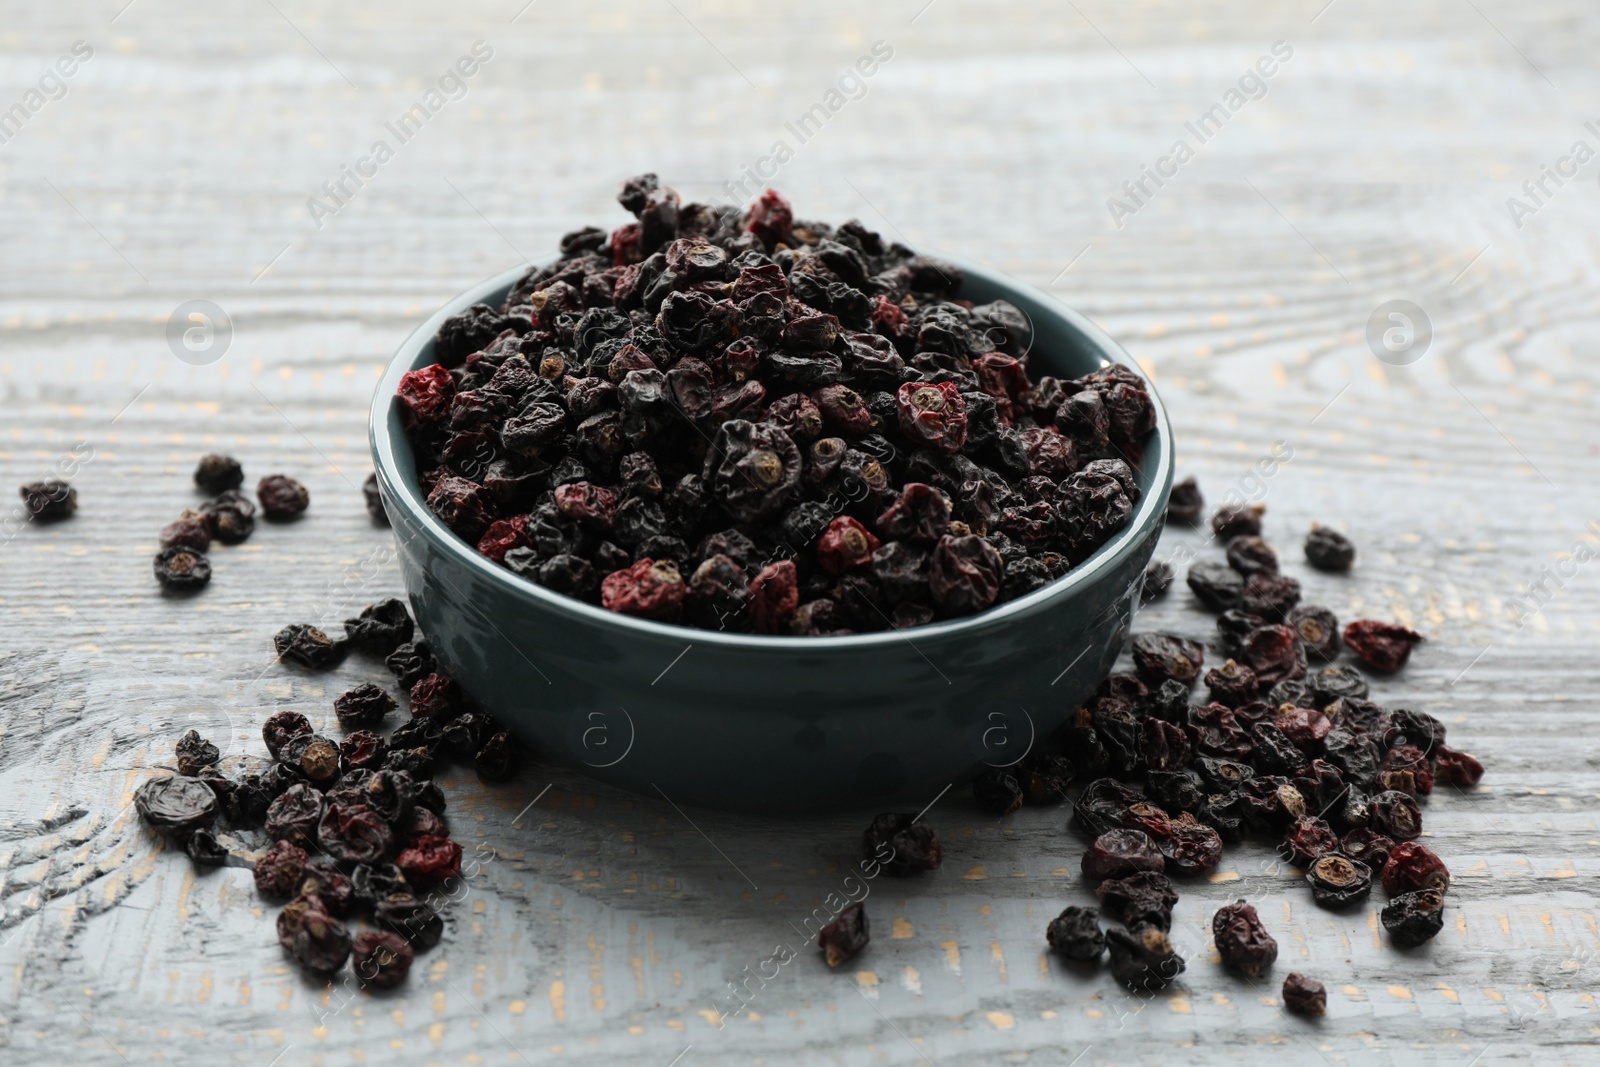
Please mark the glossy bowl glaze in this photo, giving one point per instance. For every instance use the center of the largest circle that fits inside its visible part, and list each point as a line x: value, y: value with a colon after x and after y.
x: 779, y: 724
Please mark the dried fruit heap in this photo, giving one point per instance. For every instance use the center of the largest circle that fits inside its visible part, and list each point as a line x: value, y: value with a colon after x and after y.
x: 354, y: 827
x: 742, y: 421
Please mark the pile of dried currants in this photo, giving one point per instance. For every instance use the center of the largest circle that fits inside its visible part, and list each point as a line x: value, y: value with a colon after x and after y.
x: 354, y: 826
x: 737, y: 420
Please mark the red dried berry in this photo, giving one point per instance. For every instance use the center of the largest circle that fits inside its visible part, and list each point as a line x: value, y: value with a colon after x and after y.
x: 1412, y: 867
x: 1456, y: 768
x: 770, y: 218
x: 965, y: 574
x: 592, y: 505
x: 845, y: 545
x: 1309, y: 838
x: 843, y: 410
x: 381, y: 959
x: 920, y: 514
x: 1383, y: 646
x: 933, y: 413
x: 191, y: 530
x: 280, y: 870
x: 503, y: 535
x: 436, y: 697
x: 430, y: 861
x: 426, y: 395
x: 1119, y: 853
x: 648, y: 589
x: 282, y: 498
x: 774, y: 596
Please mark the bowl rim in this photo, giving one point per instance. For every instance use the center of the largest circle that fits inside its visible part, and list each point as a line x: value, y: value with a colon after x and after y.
x: 1106, y: 559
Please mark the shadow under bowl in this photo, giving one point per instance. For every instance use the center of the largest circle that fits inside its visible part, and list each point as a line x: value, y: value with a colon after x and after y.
x: 753, y: 723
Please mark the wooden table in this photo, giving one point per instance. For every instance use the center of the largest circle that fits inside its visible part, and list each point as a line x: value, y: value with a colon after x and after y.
x: 604, y: 928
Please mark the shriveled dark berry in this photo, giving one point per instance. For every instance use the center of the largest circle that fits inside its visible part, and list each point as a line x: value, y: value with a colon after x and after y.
x: 1044, y: 779
x: 1397, y: 815
x: 280, y: 727
x: 374, y: 882
x: 1309, y: 838
x: 1076, y: 934
x: 1242, y: 941
x: 205, y: 850
x: 1102, y: 806
x: 232, y: 517
x: 190, y: 530
x: 998, y: 791
x: 1456, y: 768
x: 497, y: 759
x: 1304, y: 996
x: 354, y: 834
x: 1192, y: 848
x: 363, y: 707
x: 330, y: 885
x: 1250, y: 555
x: 374, y: 499
x: 217, y: 474
x: 280, y: 870
x: 194, y: 753
x: 380, y: 628
x: 1412, y: 866
x: 1217, y: 585
x: 436, y: 696
x: 1414, y: 919
x: 844, y: 938
x: 1383, y: 646
x: 1269, y: 595
x: 1119, y: 853
x: 1366, y: 845
x: 913, y: 843
x: 1242, y: 520
x: 381, y: 959
x: 1144, y: 959
x: 176, y: 806
x: 321, y: 943
x: 307, y: 646
x: 1185, y: 505
x: 1157, y: 580
x: 1232, y: 684
x: 50, y: 500
x: 410, y: 662
x: 1142, y: 899
x: 1166, y: 656
x: 1337, y: 881
x: 1329, y: 550
x: 294, y: 814
x: 412, y: 919
x: 282, y: 498
x: 1332, y: 683
x: 182, y: 569
x: 1318, y: 630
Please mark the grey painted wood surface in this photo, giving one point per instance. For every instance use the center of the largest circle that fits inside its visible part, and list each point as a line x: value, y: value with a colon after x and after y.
x: 603, y: 927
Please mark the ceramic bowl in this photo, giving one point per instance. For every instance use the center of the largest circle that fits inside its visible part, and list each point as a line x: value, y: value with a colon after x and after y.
x: 774, y: 724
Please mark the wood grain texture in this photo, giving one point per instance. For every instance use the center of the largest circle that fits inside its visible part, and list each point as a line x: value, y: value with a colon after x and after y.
x: 604, y: 928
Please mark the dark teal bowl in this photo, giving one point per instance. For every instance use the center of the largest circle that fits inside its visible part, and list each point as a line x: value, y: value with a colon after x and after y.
x: 777, y: 724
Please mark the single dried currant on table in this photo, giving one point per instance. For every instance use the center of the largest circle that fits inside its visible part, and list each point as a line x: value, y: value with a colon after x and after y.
x: 1076, y: 934
x: 282, y: 498
x: 845, y: 937
x: 1304, y: 996
x: 1242, y: 941
x: 182, y: 569
x: 217, y: 474
x: 49, y: 501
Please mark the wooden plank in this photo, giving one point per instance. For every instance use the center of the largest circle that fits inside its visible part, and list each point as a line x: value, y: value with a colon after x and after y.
x: 603, y: 927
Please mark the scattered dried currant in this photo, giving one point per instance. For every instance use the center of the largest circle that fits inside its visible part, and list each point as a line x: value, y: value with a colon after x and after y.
x: 280, y: 870
x: 191, y: 530
x: 497, y: 759
x: 354, y: 834
x: 231, y: 516
x: 294, y: 814
x: 1232, y: 684
x: 182, y: 569
x: 1250, y: 555
x: 1329, y: 550
x: 363, y: 707
x: 436, y: 697
x: 1304, y: 996
x: 1119, y: 853
x: 430, y: 861
x: 1338, y: 881
x: 49, y: 501
x: 1157, y: 580
x: 410, y: 663
x: 998, y: 791
x: 1318, y: 630
x: 282, y: 498
x: 217, y: 474
x: 913, y: 844
x: 1166, y: 656
x: 176, y: 806
x: 1143, y: 959
x: 381, y: 959
x: 1456, y: 768
x: 1241, y: 939
x: 1242, y: 520
x: 1076, y: 934
x: 844, y: 938
x: 1270, y: 596
x: 1192, y: 848
x: 1185, y: 505
x: 1142, y: 899
x: 1217, y: 585
x: 308, y: 647
x: 1414, y: 918
x: 380, y: 628
x: 321, y: 943
x: 1412, y: 866
x: 374, y: 499
x: 414, y: 920
x: 194, y: 753
x: 1383, y: 646
x: 1397, y: 815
